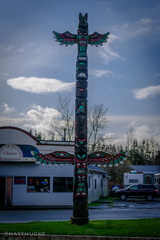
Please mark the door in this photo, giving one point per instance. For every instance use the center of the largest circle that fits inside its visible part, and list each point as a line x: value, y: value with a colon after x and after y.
x: 2, y: 190
x: 9, y: 191
x: 134, y: 191
x: 92, y: 189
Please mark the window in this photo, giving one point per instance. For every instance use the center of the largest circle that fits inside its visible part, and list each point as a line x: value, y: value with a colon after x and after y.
x: 38, y: 184
x: 62, y: 184
x: 19, y: 180
x: 95, y: 183
x: 101, y: 183
x: 134, y: 187
x: 148, y: 179
x: 147, y: 187
x: 133, y: 180
x: 89, y: 182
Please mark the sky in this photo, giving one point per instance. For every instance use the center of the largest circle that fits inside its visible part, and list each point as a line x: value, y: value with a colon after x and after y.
x: 123, y: 74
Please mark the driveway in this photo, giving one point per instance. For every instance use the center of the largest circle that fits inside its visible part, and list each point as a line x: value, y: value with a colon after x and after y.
x: 134, y: 203
x: 130, y: 209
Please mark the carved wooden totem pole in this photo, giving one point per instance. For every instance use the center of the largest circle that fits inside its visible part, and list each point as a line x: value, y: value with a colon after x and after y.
x: 80, y: 159
x: 80, y: 203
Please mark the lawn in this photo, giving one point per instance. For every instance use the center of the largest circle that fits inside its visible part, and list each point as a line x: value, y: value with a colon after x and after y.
x: 109, y: 200
x: 128, y: 228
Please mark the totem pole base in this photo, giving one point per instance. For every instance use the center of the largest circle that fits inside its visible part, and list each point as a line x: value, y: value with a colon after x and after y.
x: 80, y: 212
x: 79, y: 220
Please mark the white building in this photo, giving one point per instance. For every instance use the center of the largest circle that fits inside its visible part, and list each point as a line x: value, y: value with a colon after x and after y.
x: 24, y: 183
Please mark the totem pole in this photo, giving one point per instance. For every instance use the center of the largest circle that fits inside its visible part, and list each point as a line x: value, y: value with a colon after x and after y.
x: 80, y: 203
x: 80, y: 159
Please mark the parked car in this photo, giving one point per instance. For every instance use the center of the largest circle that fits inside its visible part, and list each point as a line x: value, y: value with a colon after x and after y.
x: 148, y: 191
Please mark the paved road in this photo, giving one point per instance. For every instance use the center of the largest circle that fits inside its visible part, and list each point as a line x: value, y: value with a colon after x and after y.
x: 119, y: 210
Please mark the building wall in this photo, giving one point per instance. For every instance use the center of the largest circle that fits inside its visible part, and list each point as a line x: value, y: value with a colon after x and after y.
x: 20, y: 194
x: 97, y: 186
x: 17, y: 195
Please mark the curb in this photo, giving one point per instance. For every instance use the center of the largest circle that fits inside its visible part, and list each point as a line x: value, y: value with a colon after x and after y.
x: 36, y: 236
x: 37, y: 207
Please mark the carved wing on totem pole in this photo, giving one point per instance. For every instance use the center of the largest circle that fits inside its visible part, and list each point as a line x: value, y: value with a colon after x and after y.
x: 97, y: 158
x: 65, y: 38
x: 97, y: 39
x: 105, y: 159
x: 68, y: 38
x: 54, y: 158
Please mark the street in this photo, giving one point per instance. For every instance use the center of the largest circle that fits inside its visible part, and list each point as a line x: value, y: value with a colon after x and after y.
x: 130, y: 209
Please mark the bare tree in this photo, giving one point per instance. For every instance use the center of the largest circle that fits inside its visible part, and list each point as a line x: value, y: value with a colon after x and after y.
x: 97, y: 124
x: 63, y: 126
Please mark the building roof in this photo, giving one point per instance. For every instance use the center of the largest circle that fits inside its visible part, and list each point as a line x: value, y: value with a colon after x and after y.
x: 146, y: 168
x: 20, y: 130
x: 38, y: 142
x: 95, y: 169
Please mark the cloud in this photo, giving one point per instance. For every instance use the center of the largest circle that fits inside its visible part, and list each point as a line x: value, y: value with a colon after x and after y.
x: 131, y: 30
x: 147, y: 92
x: 107, y: 53
x: 7, y: 109
x: 145, y: 127
x: 143, y: 132
x: 143, y: 25
x: 39, y: 85
x: 39, y: 118
x: 100, y: 73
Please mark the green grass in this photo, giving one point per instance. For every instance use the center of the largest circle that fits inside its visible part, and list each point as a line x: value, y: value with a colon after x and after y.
x: 101, y: 200
x: 128, y: 228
